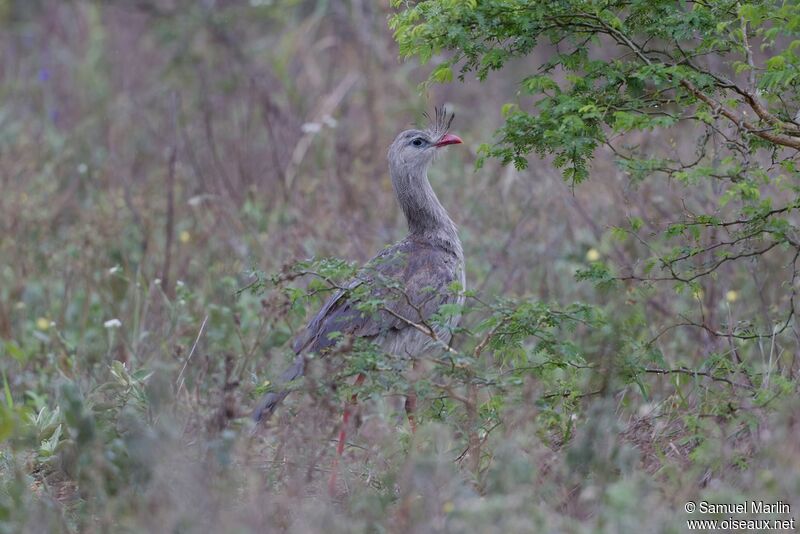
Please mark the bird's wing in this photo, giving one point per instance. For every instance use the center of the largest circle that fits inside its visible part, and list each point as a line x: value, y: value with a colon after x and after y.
x: 410, y: 279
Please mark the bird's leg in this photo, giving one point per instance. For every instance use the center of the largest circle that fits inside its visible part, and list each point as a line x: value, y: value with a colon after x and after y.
x: 411, y: 400
x: 343, y: 434
x: 411, y: 407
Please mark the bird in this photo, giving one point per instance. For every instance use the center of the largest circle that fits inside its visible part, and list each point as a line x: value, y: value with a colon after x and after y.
x: 412, y: 277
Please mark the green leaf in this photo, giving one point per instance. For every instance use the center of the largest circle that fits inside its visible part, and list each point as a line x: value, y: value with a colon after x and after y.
x: 442, y: 74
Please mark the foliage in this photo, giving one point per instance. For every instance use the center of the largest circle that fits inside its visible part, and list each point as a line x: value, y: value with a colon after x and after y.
x: 722, y: 72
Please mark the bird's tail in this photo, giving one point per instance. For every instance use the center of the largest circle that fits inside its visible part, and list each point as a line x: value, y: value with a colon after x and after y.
x: 269, y: 402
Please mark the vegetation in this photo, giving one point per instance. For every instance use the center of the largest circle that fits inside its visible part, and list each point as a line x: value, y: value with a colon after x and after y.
x: 183, y: 183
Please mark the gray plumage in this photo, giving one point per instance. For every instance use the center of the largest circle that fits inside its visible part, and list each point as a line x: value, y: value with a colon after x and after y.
x: 412, y: 277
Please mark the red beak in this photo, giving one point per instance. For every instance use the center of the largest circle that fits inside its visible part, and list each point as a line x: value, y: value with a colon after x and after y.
x: 448, y: 139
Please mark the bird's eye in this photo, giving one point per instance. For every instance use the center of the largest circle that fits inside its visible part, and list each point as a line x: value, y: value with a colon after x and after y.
x: 417, y: 142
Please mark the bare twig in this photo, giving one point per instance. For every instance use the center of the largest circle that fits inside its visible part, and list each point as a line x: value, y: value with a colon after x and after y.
x: 179, y: 380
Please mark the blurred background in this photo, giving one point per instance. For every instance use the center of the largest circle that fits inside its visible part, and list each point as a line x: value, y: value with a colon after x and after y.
x: 155, y: 153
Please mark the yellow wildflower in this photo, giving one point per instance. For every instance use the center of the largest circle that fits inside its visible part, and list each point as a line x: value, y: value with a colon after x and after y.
x: 185, y: 237
x: 732, y: 296
x: 592, y: 254
x: 42, y: 323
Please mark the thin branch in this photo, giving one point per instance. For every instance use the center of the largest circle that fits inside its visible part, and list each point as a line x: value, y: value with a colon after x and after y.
x: 692, y: 372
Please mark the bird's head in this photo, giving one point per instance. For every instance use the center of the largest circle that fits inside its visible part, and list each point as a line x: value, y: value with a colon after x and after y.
x: 413, y: 150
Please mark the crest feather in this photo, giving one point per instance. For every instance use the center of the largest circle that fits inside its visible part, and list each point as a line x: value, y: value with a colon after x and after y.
x: 440, y: 123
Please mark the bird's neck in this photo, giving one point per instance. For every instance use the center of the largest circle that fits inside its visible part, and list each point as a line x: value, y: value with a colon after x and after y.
x: 425, y: 215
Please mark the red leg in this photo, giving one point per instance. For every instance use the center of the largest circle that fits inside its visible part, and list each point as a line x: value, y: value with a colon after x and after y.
x: 343, y: 435
x: 411, y: 399
x: 411, y: 407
